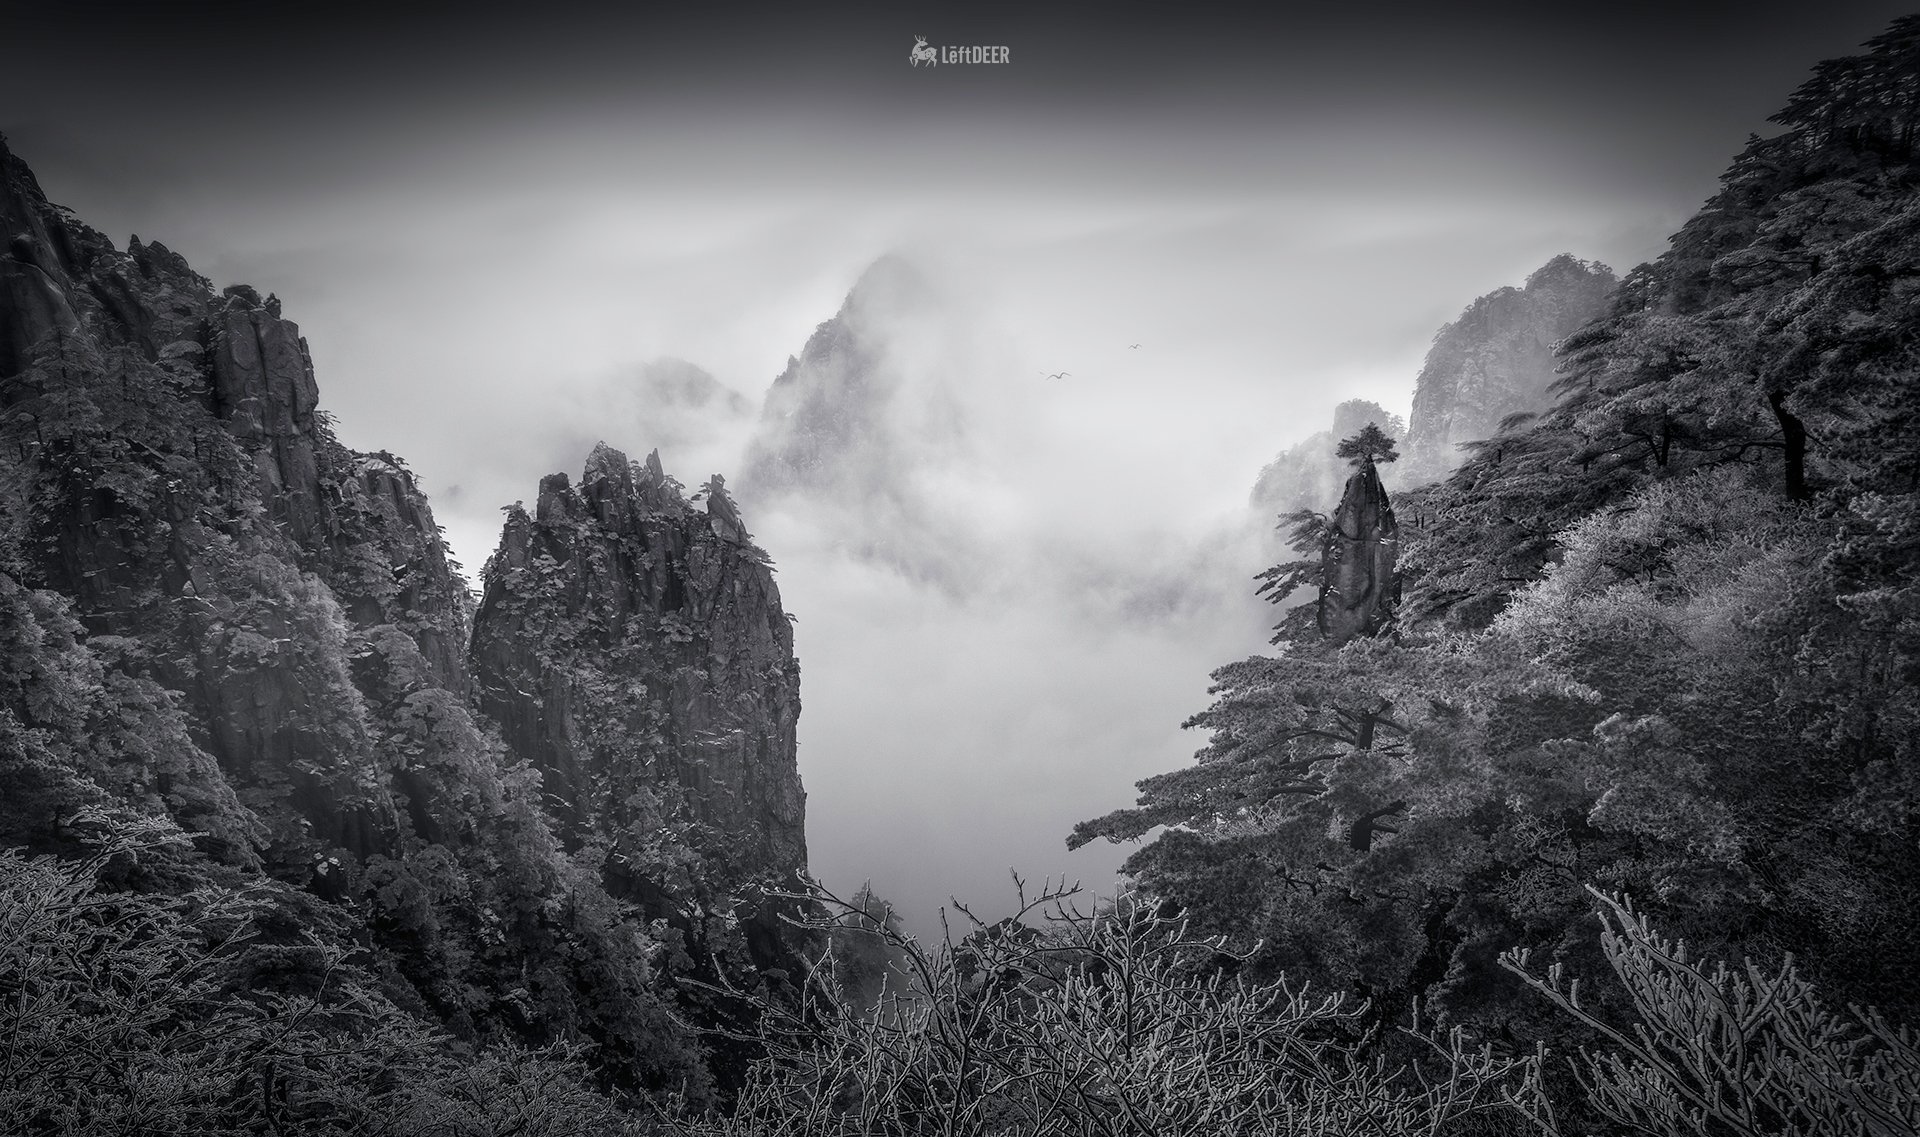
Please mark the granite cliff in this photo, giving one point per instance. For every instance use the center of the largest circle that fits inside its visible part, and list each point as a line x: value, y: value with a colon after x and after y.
x: 219, y: 614
x: 633, y: 647
x: 1497, y: 360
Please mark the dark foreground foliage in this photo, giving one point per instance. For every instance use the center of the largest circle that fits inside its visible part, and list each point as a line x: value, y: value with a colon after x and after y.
x: 166, y: 1011
x: 183, y: 1007
x: 1121, y: 1022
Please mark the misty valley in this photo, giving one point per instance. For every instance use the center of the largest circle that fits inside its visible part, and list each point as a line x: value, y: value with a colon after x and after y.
x: 1559, y: 739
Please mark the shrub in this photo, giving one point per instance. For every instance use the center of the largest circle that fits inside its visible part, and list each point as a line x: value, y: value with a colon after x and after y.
x: 1111, y: 1022
x: 149, y: 1012
x: 1720, y: 1051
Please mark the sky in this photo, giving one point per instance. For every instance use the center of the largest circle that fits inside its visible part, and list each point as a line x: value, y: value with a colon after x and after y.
x: 490, y: 220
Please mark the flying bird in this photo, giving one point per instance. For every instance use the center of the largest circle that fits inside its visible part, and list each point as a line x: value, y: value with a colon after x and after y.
x: 1059, y: 375
x: 1131, y: 346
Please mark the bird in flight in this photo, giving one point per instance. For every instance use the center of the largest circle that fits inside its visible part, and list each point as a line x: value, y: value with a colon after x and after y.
x: 1131, y: 346
x: 1059, y: 375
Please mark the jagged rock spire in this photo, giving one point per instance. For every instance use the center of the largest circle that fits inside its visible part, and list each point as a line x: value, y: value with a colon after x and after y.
x: 1362, y: 584
x: 634, y: 650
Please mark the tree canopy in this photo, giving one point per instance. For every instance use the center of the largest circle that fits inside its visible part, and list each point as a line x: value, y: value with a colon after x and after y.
x: 1662, y: 637
x: 1369, y: 446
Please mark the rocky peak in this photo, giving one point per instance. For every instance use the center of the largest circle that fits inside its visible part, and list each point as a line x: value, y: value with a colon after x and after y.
x: 633, y: 647
x: 214, y: 610
x: 824, y: 423
x: 723, y: 516
x: 1497, y: 360
x: 263, y: 389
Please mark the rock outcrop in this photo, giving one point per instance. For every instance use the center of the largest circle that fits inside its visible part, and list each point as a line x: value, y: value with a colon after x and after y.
x: 1362, y: 585
x: 190, y: 499
x: 633, y: 647
x: 263, y: 389
x: 214, y: 610
x: 1497, y: 360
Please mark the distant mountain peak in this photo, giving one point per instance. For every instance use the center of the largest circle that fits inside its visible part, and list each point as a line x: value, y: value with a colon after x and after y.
x: 823, y: 422
x: 1492, y: 363
x: 678, y: 384
x: 1496, y: 359
x: 1565, y: 268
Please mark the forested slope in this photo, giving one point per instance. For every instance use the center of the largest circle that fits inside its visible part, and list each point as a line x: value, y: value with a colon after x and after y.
x: 1661, y: 638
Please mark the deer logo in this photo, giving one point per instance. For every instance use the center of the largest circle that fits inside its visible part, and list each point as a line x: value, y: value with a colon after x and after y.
x: 922, y: 53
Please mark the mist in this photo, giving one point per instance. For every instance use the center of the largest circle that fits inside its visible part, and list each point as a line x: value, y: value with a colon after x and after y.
x: 494, y: 234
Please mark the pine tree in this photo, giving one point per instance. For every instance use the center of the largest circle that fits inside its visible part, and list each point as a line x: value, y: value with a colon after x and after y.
x: 1369, y: 446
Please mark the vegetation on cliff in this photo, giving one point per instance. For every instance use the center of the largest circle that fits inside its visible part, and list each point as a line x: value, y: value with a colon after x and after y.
x: 234, y: 635
x: 1661, y: 638
x: 299, y: 841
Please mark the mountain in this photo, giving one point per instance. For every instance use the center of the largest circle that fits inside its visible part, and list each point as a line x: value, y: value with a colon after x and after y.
x: 865, y: 432
x: 828, y: 423
x: 1497, y: 360
x: 510, y: 825
x: 633, y: 648
x: 1660, y: 639
x: 675, y: 384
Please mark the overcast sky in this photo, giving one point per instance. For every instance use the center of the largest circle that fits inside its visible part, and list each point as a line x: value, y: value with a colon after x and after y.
x: 486, y: 219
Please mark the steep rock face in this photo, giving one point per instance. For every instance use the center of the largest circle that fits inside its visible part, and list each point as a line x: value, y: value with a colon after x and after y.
x: 1363, y: 545
x: 1497, y: 360
x: 263, y: 389
x: 27, y: 289
x: 633, y: 647
x: 65, y: 282
x: 177, y: 484
x: 180, y: 489
x: 33, y: 268
x: 213, y: 609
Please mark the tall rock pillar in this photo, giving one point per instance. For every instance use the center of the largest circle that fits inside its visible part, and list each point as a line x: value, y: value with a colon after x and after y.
x: 1361, y: 586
